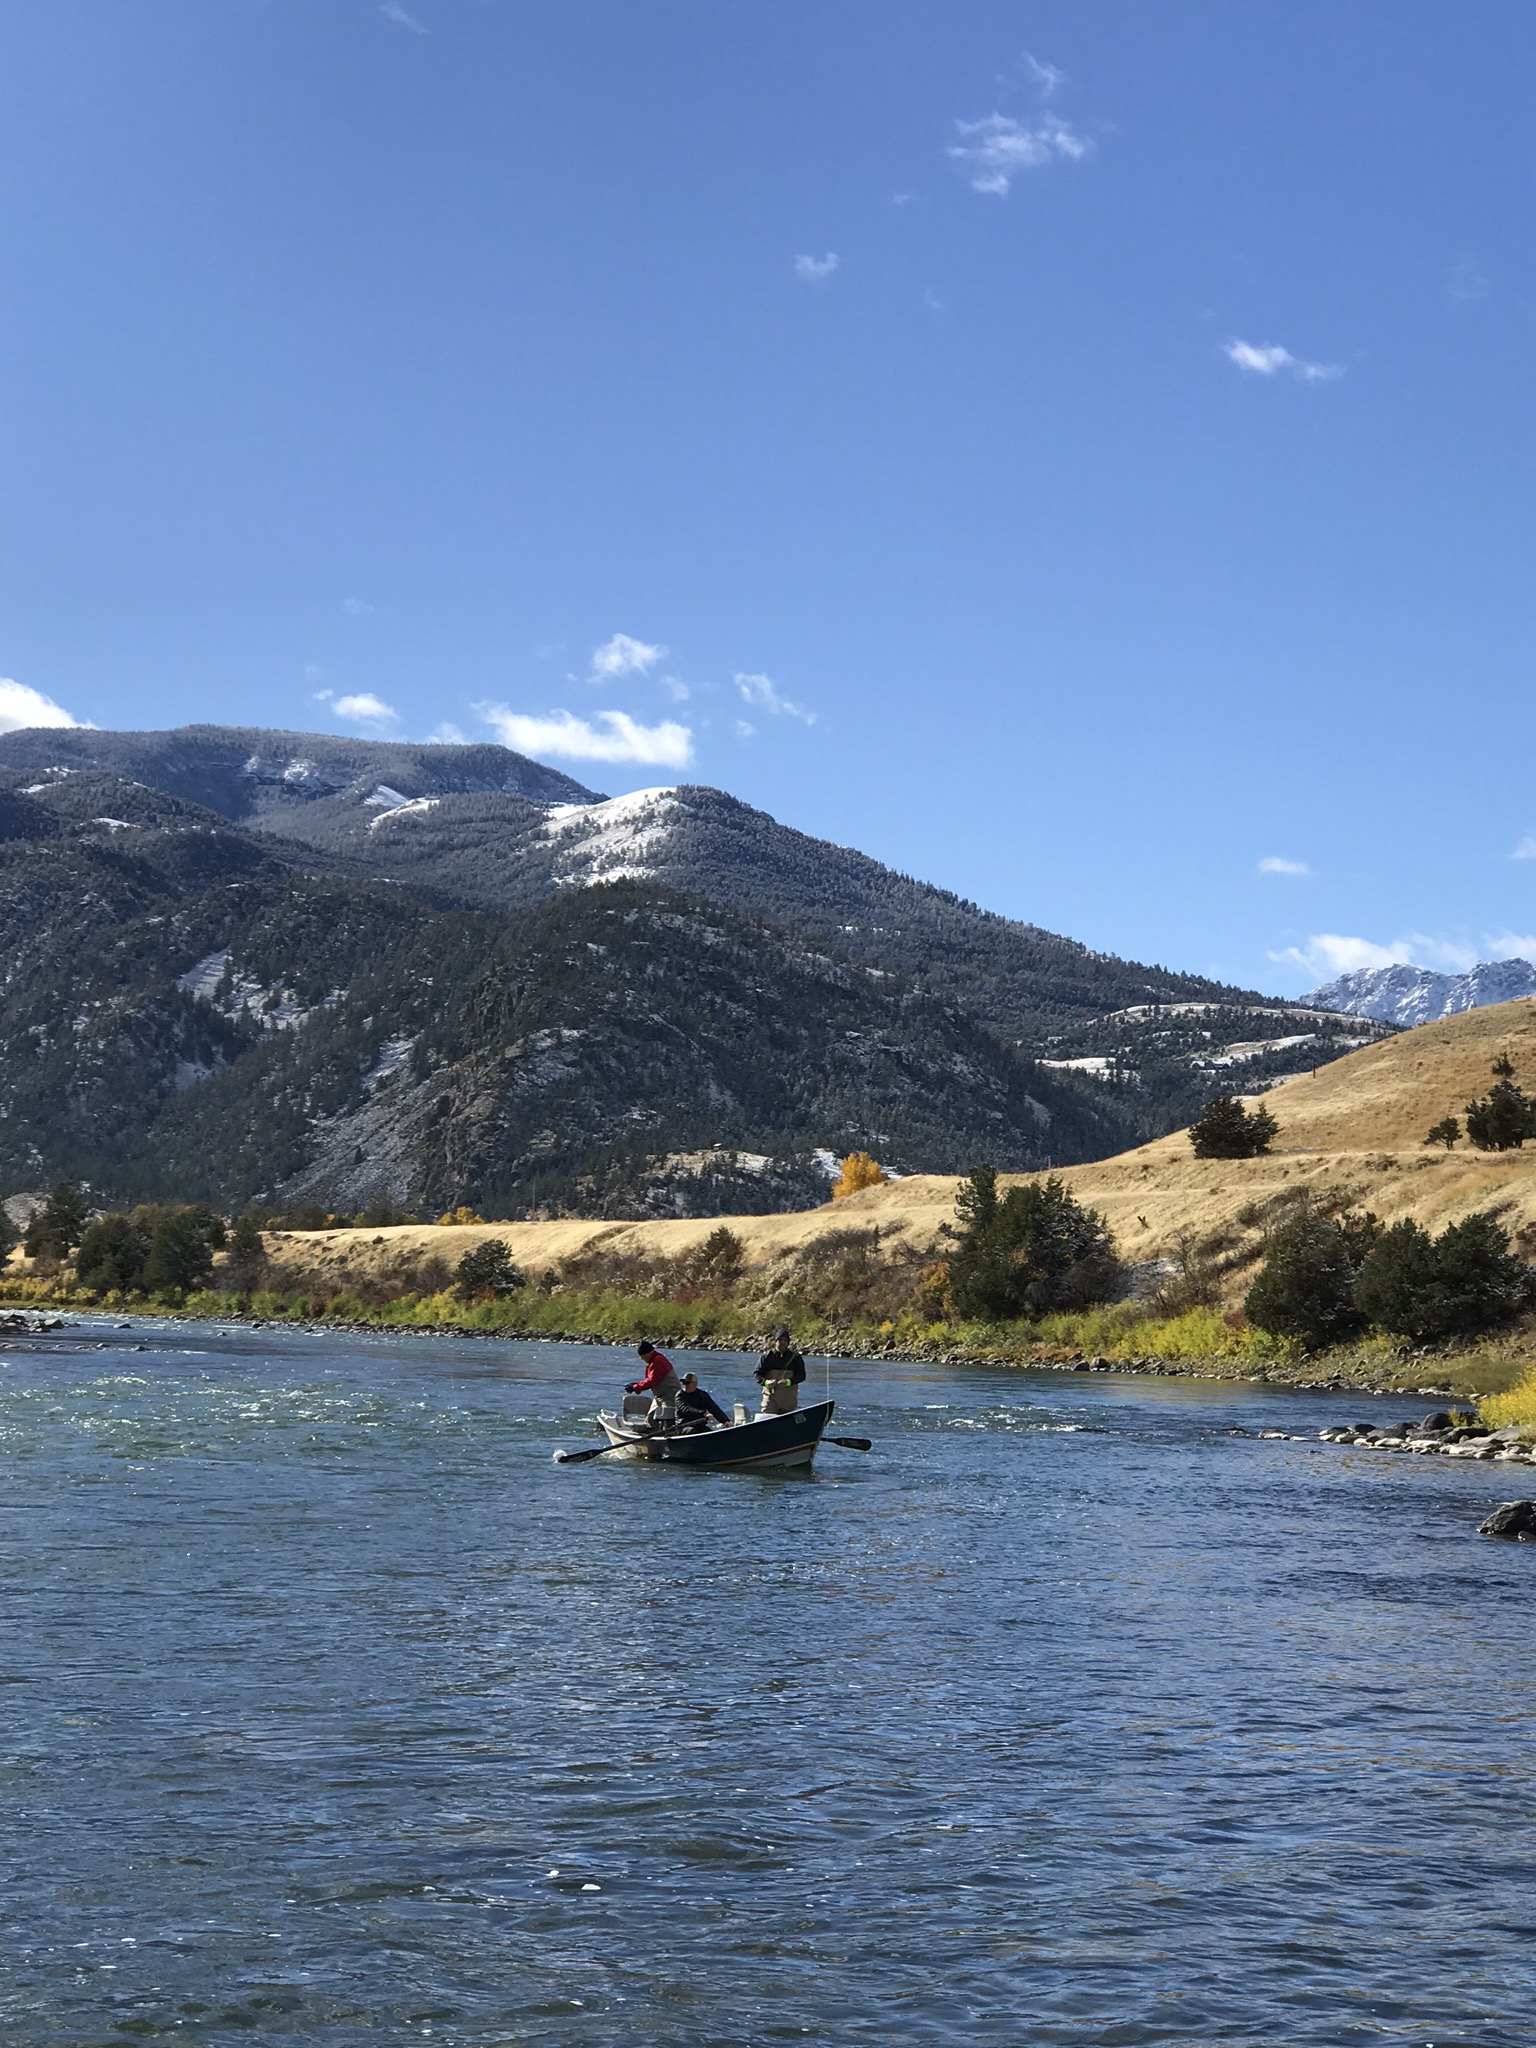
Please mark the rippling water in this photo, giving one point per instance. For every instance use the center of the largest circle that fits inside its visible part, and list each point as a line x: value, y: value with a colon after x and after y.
x: 332, y: 1711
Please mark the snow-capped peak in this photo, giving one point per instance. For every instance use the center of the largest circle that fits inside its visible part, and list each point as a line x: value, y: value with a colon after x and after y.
x: 1417, y: 995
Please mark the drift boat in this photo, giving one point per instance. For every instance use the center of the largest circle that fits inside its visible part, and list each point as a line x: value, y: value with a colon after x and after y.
x: 766, y: 1441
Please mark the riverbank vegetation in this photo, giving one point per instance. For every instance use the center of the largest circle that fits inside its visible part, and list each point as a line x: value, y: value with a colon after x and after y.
x: 1030, y: 1275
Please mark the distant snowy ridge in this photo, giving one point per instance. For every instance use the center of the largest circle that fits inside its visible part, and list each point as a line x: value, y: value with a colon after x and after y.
x: 613, y: 841
x: 1415, y: 995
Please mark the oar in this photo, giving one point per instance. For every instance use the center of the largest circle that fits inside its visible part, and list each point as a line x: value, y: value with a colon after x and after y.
x: 851, y: 1443
x: 581, y: 1457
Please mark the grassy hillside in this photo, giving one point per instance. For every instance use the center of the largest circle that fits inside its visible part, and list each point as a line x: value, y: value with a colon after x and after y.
x: 1351, y: 1135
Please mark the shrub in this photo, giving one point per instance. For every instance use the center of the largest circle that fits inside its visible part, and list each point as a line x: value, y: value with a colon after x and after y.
x: 1517, y: 1405
x: 1445, y: 1133
x: 487, y: 1268
x: 1228, y: 1131
x: 463, y: 1214
x: 718, y: 1262
x: 111, y: 1256
x: 1305, y: 1288
x: 1028, y: 1252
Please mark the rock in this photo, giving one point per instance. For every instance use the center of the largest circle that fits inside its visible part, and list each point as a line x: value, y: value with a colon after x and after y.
x: 1434, y: 1425
x: 1515, y: 1521
x: 1273, y: 1436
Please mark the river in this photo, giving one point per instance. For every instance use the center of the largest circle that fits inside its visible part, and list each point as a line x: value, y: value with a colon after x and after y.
x: 333, y: 1711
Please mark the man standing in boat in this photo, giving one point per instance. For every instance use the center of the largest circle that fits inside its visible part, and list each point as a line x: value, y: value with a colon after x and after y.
x: 780, y: 1373
x: 659, y: 1380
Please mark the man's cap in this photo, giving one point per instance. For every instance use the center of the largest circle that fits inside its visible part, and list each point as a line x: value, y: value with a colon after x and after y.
x: 647, y: 1348
x: 781, y: 1336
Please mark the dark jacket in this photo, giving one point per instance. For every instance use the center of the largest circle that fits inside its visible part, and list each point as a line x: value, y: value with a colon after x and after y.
x: 779, y: 1365
x: 695, y: 1406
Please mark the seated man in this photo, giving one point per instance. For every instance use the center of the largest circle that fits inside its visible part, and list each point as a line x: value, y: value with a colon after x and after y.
x: 659, y: 1380
x: 779, y: 1373
x: 695, y: 1407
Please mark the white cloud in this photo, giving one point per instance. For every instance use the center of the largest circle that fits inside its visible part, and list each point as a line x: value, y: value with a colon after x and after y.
x: 21, y: 706
x: 1276, y: 864
x: 1046, y: 76
x: 356, y: 608
x: 676, y: 689
x: 1467, y: 281
x: 744, y: 731
x: 996, y: 148
x: 667, y: 745
x: 1268, y: 359
x: 393, y: 11
x: 1526, y: 850
x: 365, y: 709
x: 446, y: 735
x: 761, y: 691
x: 1329, y: 953
x: 816, y: 269
x: 623, y: 655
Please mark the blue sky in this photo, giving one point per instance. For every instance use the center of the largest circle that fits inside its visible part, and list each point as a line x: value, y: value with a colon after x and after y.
x: 1079, y: 453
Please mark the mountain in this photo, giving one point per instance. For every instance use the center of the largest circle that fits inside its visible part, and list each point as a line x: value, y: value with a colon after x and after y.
x: 484, y: 828
x: 191, y: 1007
x: 276, y: 780
x: 1413, y: 995
x: 182, y: 897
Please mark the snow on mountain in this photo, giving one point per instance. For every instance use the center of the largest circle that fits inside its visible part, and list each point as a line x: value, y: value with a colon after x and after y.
x: 1416, y: 995
x: 609, y: 841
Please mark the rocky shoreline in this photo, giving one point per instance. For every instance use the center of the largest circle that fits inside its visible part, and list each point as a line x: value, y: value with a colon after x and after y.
x: 1439, y: 1435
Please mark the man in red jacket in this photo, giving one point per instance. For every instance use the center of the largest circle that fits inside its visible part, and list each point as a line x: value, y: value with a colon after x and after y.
x: 659, y: 1380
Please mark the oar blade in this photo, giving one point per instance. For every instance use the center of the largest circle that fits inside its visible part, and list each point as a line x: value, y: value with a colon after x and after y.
x: 852, y: 1443
x: 581, y: 1457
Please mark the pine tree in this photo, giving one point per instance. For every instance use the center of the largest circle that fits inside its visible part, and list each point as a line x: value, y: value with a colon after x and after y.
x: 1033, y: 1250
x: 487, y: 1268
x: 246, y: 1264
x: 1228, y: 1131
x: 57, y: 1227
x: 1462, y: 1281
x: 179, y: 1256
x: 111, y: 1256
x: 1501, y: 1120
x: 1445, y: 1133
x: 1305, y: 1288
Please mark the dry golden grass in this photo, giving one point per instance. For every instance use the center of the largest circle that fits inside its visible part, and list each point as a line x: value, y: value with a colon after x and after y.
x: 1351, y: 1134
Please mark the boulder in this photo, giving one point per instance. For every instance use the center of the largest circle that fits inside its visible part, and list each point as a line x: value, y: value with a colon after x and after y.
x: 1439, y: 1424
x: 1515, y: 1521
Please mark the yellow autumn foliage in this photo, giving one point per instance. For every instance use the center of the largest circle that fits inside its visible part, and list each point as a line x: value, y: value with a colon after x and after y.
x: 859, y: 1171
